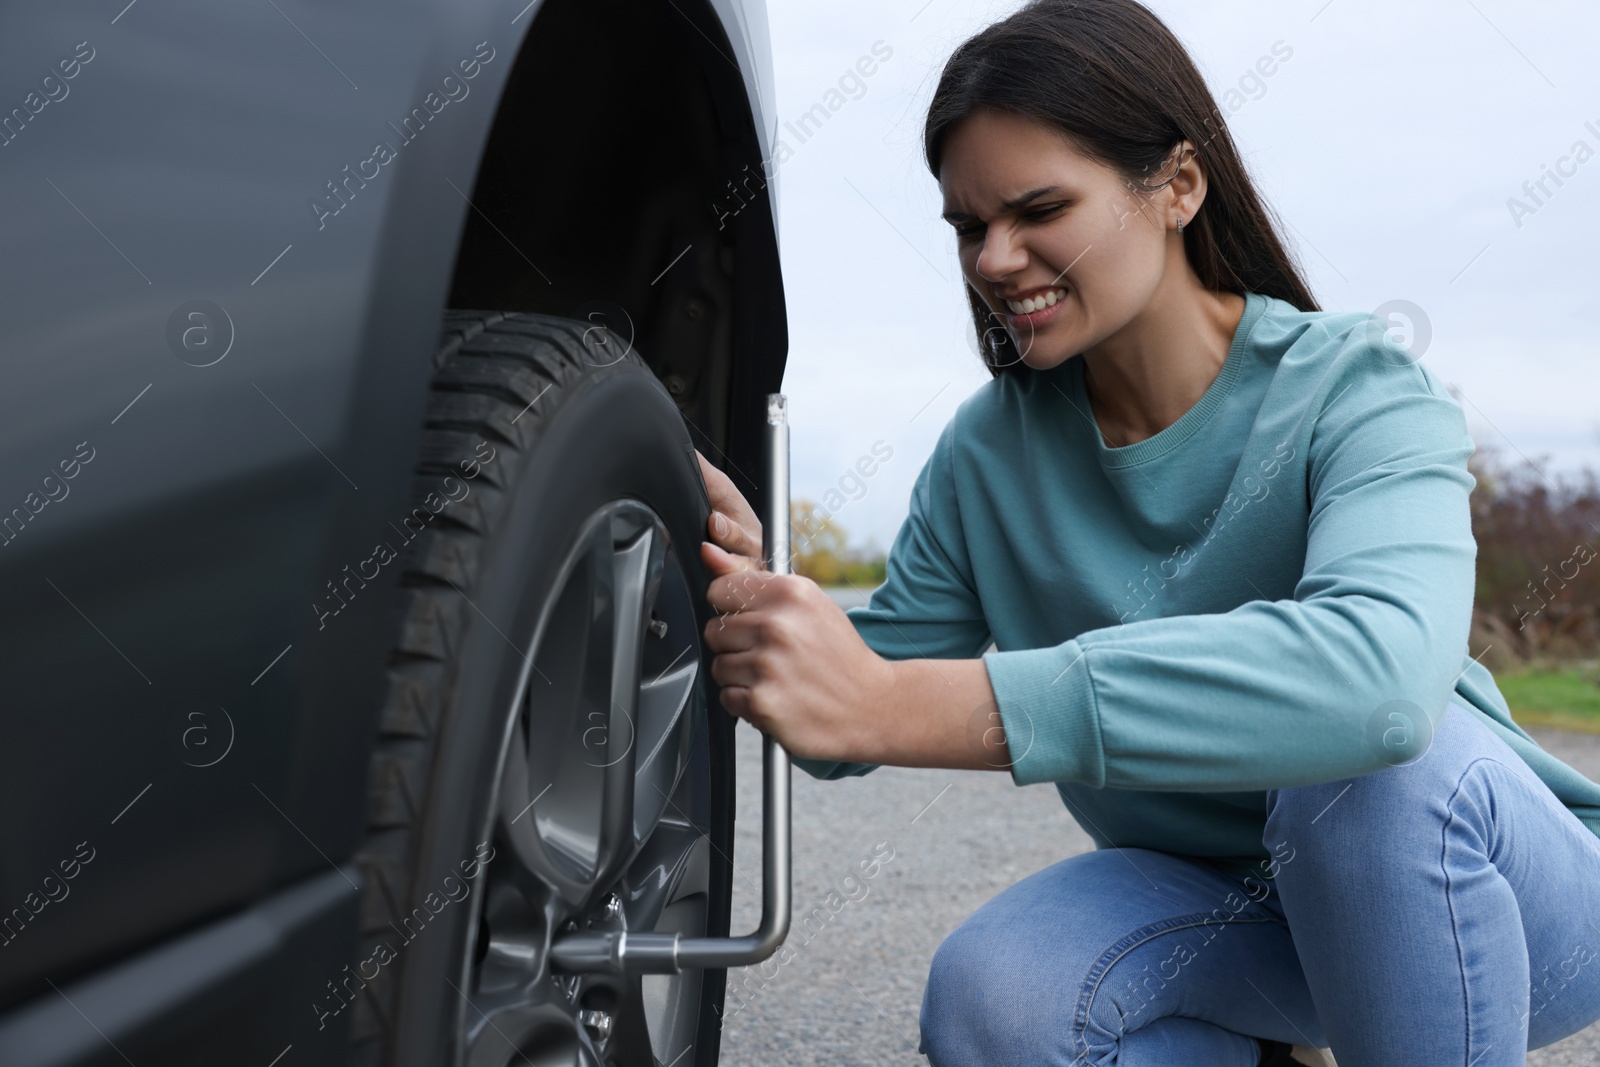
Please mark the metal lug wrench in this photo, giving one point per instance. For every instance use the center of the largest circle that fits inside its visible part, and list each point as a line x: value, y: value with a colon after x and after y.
x: 647, y: 952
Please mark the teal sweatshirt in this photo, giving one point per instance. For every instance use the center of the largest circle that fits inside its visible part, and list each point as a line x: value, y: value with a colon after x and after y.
x: 1273, y: 591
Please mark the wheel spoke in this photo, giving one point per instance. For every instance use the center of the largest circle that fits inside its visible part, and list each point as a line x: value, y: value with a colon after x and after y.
x: 546, y: 808
x: 671, y: 882
x: 593, y: 806
x: 506, y: 1028
x: 634, y: 573
x: 670, y: 699
x: 663, y: 746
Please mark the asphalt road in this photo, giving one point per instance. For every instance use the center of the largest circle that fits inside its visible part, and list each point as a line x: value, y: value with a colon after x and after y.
x: 852, y: 992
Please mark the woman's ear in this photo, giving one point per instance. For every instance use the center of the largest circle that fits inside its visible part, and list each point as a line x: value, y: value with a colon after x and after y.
x: 1188, y: 184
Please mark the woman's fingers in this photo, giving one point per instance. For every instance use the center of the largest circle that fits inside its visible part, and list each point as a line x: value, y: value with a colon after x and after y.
x: 735, y: 700
x: 739, y: 530
x: 729, y: 535
x: 739, y: 584
x: 725, y: 496
x: 720, y: 561
x: 734, y: 669
x: 736, y: 586
x: 726, y: 634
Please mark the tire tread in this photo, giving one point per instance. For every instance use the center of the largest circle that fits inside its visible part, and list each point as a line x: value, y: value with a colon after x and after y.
x: 497, y: 377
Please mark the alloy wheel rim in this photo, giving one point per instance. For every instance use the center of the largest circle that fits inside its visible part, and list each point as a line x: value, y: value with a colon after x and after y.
x: 590, y: 813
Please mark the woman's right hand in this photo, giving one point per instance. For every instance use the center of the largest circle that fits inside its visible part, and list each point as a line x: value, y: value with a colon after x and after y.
x: 733, y: 525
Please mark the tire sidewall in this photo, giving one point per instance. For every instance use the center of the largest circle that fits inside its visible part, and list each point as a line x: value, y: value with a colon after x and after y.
x: 614, y: 433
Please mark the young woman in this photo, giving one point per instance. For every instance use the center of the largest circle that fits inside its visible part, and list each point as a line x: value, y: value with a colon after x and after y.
x: 1221, y: 541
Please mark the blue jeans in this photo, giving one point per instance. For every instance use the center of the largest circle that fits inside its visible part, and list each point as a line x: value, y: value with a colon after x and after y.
x: 1440, y: 911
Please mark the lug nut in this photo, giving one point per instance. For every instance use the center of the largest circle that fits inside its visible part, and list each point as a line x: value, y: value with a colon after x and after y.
x: 597, y: 1022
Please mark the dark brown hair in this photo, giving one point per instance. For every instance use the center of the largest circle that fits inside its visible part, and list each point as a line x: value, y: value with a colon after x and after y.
x: 1111, y: 77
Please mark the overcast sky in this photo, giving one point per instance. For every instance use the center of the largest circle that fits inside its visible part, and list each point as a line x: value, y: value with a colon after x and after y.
x: 1390, y: 142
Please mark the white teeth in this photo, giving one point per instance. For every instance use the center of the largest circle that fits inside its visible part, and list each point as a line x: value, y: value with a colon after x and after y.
x: 1036, y: 303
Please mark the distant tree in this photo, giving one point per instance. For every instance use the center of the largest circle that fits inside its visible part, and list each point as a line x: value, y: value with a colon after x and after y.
x: 1538, y: 572
x: 819, y: 549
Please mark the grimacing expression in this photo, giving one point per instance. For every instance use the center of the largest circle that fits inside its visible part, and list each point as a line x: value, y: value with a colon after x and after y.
x: 1058, y: 246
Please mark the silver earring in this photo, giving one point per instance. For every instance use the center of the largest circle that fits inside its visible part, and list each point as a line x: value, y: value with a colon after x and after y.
x: 1180, y: 225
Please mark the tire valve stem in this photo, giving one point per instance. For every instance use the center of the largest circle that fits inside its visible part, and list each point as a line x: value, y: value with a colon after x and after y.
x: 657, y: 626
x: 597, y: 1022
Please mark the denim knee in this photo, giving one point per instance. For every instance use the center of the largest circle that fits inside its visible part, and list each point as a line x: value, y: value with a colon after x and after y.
x: 1299, y: 806
x: 1369, y: 796
x: 960, y: 1011
x: 1422, y: 768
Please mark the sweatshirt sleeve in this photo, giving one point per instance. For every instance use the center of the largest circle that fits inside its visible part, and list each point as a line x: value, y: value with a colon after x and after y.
x: 927, y: 606
x: 1277, y: 693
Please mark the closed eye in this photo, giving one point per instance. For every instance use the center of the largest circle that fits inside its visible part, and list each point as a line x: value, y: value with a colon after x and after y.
x: 1043, y: 213
x: 1039, y: 214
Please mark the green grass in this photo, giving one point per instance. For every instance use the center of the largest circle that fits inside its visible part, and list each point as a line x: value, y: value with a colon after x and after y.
x: 1567, y: 697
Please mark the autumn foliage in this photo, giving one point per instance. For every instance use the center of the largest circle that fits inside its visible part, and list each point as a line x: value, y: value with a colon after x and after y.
x: 1538, y: 578
x: 819, y: 550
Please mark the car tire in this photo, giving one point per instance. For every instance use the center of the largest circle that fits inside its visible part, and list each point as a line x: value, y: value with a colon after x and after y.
x: 545, y: 758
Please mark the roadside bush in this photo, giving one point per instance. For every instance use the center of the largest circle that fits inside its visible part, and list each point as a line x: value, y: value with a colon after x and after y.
x: 819, y: 550
x: 1538, y: 574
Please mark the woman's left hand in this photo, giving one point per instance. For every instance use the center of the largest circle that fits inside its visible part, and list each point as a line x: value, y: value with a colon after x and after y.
x: 790, y: 662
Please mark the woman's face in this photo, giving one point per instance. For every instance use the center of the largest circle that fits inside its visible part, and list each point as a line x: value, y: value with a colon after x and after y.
x: 1038, y: 221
